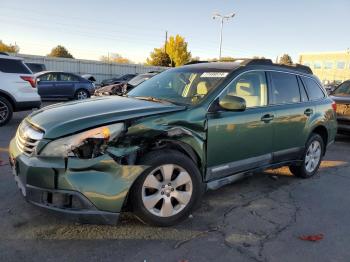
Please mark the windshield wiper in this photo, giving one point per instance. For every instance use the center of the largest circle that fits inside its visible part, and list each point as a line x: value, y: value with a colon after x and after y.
x: 157, y: 100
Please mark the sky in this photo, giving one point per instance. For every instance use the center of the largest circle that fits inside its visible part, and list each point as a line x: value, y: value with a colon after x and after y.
x: 91, y: 29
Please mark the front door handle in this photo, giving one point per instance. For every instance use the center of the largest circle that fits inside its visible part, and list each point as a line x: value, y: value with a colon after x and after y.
x: 267, y: 118
x: 308, y: 112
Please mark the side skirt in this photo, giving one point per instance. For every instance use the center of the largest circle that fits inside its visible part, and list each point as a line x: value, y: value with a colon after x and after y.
x: 217, y: 183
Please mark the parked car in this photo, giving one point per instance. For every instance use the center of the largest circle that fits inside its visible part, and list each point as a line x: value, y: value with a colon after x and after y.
x: 341, y: 96
x: 117, y: 80
x: 36, y: 67
x: 89, y: 77
x: 185, y: 130
x: 17, y: 88
x: 123, y: 88
x: 60, y: 85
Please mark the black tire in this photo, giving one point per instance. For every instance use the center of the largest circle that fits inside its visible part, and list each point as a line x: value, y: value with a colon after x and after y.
x: 301, y: 170
x: 156, y: 159
x: 6, y: 111
x: 79, y: 93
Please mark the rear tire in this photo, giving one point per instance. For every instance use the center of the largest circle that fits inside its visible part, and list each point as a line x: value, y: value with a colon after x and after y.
x: 6, y: 111
x: 168, y: 191
x: 312, y: 158
x: 81, y: 94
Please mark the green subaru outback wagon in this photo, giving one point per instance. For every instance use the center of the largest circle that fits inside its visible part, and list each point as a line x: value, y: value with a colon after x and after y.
x: 186, y: 130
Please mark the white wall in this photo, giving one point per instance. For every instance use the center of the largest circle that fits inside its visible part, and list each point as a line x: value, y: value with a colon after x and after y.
x: 100, y: 70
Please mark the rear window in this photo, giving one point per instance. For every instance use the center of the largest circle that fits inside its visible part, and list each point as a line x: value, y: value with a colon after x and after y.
x: 285, y: 88
x: 13, y: 66
x: 313, y: 89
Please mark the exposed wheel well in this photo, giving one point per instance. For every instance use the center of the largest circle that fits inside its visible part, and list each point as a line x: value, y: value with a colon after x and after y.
x: 9, y: 98
x: 322, y: 131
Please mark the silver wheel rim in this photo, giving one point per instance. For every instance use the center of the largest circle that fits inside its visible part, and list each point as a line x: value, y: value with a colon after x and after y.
x: 82, y: 95
x: 167, y: 190
x: 4, y: 112
x: 313, y: 156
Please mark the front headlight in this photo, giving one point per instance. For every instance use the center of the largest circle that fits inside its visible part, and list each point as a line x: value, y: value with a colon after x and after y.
x: 88, y: 144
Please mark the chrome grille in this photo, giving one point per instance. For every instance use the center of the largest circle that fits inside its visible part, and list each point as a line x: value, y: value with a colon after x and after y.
x: 28, y: 137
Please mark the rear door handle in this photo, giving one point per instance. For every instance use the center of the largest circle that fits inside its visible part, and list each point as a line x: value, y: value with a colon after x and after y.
x: 267, y: 118
x: 308, y: 112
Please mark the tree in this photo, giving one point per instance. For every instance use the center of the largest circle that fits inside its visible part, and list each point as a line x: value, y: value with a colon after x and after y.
x: 116, y: 58
x: 8, y: 48
x: 158, y: 58
x: 177, y: 50
x: 286, y: 60
x: 60, y: 51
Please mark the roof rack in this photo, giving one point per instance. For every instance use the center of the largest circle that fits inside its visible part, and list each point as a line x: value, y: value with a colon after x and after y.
x: 247, y: 62
x: 196, y: 62
x: 298, y: 67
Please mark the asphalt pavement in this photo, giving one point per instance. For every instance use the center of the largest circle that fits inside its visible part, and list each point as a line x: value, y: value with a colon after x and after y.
x: 260, y: 218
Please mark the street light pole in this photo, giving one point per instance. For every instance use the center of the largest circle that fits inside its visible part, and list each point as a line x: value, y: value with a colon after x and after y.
x: 222, y: 18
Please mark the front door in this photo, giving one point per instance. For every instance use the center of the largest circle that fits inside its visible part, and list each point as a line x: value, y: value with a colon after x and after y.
x: 239, y: 141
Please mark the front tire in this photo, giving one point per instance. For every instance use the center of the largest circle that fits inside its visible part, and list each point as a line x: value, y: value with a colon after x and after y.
x: 6, y: 111
x: 168, y: 190
x: 312, y: 158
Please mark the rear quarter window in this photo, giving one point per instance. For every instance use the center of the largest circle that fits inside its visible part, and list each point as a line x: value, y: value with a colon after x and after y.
x: 13, y: 66
x: 314, y: 91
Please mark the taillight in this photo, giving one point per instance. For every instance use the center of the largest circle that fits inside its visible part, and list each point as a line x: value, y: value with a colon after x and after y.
x: 334, y: 106
x: 30, y: 79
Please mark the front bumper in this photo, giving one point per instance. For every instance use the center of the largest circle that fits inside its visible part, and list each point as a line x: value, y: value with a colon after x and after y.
x: 93, y: 190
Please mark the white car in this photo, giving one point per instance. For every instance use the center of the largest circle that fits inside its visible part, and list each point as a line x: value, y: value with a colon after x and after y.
x: 18, y: 90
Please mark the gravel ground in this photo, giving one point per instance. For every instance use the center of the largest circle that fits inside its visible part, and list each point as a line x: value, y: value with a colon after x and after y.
x: 257, y: 219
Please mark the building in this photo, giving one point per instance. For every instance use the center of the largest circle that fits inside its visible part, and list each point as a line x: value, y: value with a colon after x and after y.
x: 330, y: 67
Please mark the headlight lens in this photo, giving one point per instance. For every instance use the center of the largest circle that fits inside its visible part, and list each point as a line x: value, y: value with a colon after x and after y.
x: 87, y: 144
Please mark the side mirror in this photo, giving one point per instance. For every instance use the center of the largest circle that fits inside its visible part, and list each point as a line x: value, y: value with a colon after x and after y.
x: 37, y: 80
x: 232, y: 103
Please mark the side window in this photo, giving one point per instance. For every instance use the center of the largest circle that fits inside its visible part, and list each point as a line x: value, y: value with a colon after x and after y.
x: 48, y: 77
x: 13, y: 66
x: 68, y: 77
x: 285, y: 88
x: 252, y: 87
x: 343, y: 89
x: 313, y: 89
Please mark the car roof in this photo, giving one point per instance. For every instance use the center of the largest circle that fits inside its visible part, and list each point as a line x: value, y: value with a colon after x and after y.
x: 10, y: 57
x: 227, y: 66
x: 264, y: 64
x: 48, y: 71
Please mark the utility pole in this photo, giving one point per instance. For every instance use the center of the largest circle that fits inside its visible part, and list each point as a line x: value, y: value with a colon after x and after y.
x: 166, y: 40
x: 222, y: 18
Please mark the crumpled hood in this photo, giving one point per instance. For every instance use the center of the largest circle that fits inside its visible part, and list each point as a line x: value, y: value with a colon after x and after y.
x: 67, y: 118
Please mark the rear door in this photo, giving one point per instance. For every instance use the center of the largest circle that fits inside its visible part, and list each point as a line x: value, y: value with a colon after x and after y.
x: 239, y: 141
x: 293, y: 113
x: 47, y: 85
x: 66, y: 85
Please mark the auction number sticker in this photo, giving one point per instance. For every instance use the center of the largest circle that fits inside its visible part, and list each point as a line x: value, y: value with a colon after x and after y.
x: 215, y: 74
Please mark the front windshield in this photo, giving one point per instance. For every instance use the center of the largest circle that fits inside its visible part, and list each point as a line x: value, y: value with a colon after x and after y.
x: 343, y: 90
x: 138, y: 80
x: 182, y: 86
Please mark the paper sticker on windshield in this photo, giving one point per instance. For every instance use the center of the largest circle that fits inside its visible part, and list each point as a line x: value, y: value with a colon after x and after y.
x: 215, y: 74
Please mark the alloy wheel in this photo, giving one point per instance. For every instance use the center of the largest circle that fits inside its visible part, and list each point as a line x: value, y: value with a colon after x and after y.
x: 313, y: 156
x: 167, y: 190
x: 4, y: 112
x: 82, y: 95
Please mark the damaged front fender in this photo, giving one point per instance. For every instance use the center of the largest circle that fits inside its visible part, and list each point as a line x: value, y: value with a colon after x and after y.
x: 102, y: 180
